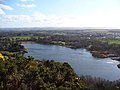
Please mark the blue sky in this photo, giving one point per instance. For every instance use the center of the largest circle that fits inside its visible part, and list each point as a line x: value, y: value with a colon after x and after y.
x: 60, y: 13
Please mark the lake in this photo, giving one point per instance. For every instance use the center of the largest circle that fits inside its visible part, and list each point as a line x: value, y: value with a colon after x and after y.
x: 81, y: 60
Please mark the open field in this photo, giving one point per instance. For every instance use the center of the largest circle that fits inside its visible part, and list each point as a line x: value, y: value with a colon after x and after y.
x: 111, y: 41
x: 24, y: 37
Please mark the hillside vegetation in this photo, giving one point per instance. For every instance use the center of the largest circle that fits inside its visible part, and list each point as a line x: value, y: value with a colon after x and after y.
x: 23, y: 73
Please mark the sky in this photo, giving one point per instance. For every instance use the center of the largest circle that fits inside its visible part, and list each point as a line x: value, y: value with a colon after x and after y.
x: 60, y: 13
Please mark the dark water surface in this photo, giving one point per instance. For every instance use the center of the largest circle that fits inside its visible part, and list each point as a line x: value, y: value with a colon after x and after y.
x: 80, y: 59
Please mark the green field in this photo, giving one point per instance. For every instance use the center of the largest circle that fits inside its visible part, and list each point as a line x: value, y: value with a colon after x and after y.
x: 24, y: 37
x: 114, y: 42
x: 111, y: 41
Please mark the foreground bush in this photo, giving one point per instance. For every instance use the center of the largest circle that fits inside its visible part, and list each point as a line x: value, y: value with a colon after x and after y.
x: 22, y: 73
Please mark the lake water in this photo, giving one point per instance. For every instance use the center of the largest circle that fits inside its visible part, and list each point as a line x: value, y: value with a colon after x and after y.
x: 81, y: 60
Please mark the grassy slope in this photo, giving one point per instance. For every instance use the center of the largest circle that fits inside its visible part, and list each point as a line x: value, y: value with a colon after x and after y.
x: 111, y: 41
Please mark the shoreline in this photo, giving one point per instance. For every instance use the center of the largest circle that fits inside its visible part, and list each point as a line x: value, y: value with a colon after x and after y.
x: 96, y: 54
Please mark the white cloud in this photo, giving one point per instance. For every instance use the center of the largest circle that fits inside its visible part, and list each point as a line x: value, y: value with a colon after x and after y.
x: 1, y: 11
x: 106, y: 18
x: 4, y: 7
x: 17, y: 18
x: 26, y: 5
x: 26, y: 0
x: 98, y: 19
x: 23, y: 0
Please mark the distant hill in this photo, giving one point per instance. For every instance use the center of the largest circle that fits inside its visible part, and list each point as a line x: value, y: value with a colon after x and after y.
x: 57, y: 28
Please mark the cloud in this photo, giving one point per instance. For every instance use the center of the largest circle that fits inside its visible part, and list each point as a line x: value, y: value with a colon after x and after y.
x: 26, y: 5
x: 1, y: 11
x: 98, y: 19
x: 17, y: 18
x: 4, y: 7
x: 23, y: 0
x: 36, y: 20
x: 26, y: 0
